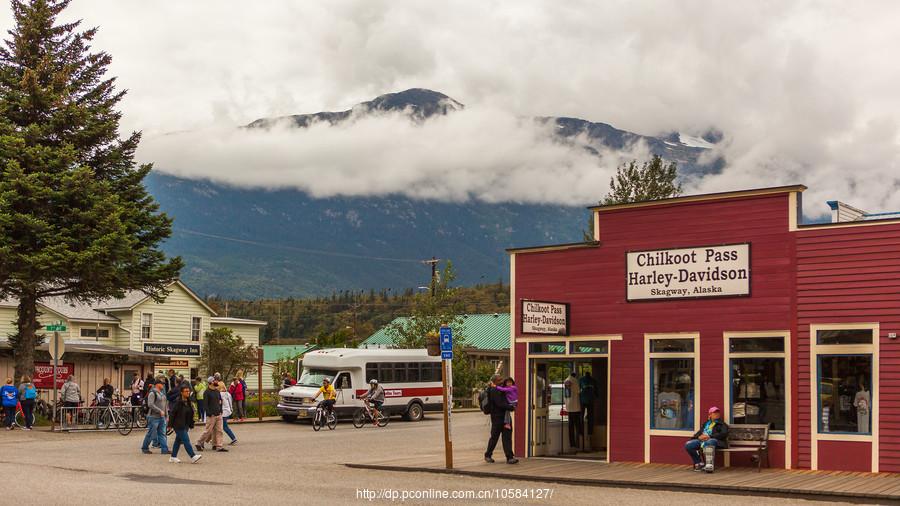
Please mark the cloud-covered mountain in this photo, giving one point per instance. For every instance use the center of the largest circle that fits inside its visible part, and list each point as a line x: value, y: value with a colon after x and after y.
x: 253, y: 242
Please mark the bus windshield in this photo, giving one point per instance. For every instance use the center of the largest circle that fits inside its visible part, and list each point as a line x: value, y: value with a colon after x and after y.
x: 314, y: 377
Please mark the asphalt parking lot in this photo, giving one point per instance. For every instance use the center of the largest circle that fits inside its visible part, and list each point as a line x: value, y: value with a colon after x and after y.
x: 273, y: 463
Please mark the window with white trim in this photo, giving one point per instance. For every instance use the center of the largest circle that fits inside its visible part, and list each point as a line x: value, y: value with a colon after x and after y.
x: 146, y: 325
x: 844, y: 386
x: 672, y: 383
x: 757, y: 381
x: 94, y: 332
x: 195, y: 328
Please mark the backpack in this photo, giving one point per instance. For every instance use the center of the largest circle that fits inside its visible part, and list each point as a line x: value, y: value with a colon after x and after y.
x: 30, y: 392
x: 484, y: 401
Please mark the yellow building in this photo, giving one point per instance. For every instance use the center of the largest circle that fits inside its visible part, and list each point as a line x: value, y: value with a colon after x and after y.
x: 134, y: 335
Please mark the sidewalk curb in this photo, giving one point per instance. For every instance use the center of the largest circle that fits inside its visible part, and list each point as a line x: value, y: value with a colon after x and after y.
x: 855, y: 497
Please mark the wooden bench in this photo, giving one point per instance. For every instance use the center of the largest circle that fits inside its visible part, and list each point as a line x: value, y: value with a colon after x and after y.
x: 749, y: 438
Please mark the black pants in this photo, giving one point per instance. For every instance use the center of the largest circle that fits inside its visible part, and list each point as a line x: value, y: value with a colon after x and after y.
x: 497, y: 431
x: 576, y: 428
x: 589, y: 415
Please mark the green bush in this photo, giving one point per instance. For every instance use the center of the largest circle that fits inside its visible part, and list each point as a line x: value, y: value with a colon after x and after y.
x: 269, y: 402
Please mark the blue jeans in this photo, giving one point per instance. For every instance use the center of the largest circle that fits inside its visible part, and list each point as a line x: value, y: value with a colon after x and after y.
x: 10, y: 415
x: 156, y: 431
x: 226, y: 429
x: 182, y: 439
x: 693, y: 448
x: 201, y: 409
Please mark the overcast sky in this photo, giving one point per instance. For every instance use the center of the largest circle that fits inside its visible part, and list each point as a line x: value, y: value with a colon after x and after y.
x: 805, y: 92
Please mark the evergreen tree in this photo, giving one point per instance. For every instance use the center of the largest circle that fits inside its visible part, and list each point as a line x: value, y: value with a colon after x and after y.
x: 75, y: 218
x: 653, y: 180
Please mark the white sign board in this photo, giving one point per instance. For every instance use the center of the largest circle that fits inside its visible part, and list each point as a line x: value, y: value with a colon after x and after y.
x: 546, y: 318
x: 707, y: 271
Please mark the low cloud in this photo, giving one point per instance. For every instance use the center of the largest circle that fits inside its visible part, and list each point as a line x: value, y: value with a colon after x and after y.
x: 476, y: 153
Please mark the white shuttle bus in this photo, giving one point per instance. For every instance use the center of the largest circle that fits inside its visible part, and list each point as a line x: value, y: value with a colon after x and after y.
x: 411, y: 380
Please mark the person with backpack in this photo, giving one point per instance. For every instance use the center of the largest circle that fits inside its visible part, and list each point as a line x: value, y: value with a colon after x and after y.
x: 27, y: 397
x: 156, y: 419
x: 10, y: 396
x: 493, y: 402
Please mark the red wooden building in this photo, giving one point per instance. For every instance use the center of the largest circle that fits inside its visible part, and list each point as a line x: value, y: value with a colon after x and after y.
x: 723, y: 300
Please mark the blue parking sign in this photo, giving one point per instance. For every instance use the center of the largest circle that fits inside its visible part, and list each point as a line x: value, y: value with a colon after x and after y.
x: 446, y: 339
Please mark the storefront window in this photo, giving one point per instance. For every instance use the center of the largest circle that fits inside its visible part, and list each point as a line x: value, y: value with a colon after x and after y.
x: 546, y: 348
x: 845, y: 393
x: 672, y: 345
x: 672, y: 393
x: 756, y: 344
x: 757, y: 390
x: 578, y: 347
x: 844, y: 336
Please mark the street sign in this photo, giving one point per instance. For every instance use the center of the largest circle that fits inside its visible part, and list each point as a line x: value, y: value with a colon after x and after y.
x: 56, y: 346
x: 446, y: 355
x: 56, y: 327
x: 446, y: 339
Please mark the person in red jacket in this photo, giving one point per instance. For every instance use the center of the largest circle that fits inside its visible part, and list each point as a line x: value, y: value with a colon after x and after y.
x: 237, y: 393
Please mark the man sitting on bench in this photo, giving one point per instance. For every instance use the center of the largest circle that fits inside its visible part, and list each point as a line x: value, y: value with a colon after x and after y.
x: 714, y: 433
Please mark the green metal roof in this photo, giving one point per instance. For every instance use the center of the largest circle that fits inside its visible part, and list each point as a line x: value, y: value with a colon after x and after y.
x: 481, y: 331
x: 271, y: 353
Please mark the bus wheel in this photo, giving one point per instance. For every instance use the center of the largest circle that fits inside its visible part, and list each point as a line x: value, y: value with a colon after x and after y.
x: 415, y: 413
x: 289, y: 418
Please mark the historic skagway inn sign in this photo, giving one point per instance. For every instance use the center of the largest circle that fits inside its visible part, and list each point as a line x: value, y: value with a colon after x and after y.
x: 548, y: 318
x: 172, y: 349
x: 707, y: 271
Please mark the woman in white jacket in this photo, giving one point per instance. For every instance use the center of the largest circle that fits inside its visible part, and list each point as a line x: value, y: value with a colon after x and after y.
x: 227, y: 407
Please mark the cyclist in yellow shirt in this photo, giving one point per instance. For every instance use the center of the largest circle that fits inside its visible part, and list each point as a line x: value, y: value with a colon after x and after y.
x: 328, y: 395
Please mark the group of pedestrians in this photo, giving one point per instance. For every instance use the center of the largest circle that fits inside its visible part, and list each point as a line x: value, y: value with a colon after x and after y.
x: 214, y: 407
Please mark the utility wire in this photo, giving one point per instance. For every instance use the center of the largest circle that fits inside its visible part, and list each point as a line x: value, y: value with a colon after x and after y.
x: 294, y: 248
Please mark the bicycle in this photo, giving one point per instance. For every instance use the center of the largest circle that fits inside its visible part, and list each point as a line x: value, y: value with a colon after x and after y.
x: 365, y: 414
x: 118, y: 415
x: 324, y: 417
x: 20, y: 415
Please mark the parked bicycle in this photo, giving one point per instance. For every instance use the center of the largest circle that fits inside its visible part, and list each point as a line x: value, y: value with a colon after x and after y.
x: 366, y: 415
x: 324, y: 417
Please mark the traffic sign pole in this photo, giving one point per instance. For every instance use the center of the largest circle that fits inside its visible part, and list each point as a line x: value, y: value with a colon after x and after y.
x: 55, y: 388
x: 446, y: 335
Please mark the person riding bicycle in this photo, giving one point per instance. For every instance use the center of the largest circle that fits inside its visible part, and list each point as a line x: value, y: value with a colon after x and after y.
x: 329, y: 396
x: 376, y: 396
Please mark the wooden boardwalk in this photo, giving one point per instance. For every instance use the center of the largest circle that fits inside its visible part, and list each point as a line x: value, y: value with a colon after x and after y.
x: 827, y: 485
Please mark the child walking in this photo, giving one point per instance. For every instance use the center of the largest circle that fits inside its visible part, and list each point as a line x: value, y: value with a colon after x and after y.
x: 511, y: 391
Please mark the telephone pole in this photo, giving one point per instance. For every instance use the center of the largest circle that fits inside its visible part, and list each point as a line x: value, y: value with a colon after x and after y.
x: 434, y: 261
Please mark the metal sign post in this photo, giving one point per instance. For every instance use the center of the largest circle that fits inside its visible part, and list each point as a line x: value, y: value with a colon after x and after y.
x: 446, y: 336
x: 259, y: 390
x: 57, y: 348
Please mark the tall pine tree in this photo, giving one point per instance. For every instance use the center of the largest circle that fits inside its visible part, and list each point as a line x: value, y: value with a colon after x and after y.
x: 75, y: 218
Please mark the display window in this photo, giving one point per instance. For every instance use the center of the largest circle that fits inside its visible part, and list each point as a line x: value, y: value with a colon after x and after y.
x: 672, y: 383
x: 757, y: 381
x: 845, y: 394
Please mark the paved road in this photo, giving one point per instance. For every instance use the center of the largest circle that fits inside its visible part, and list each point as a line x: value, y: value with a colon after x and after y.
x: 273, y: 463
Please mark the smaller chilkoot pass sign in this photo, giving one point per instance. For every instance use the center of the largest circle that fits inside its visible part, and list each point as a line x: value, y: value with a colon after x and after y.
x: 707, y: 271
x: 545, y: 318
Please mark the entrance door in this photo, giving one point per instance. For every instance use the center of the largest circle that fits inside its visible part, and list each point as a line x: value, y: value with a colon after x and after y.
x: 540, y: 409
x: 128, y: 375
x: 344, y: 390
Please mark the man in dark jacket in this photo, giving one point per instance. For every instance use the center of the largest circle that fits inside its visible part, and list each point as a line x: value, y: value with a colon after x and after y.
x: 182, y: 420
x: 713, y: 434
x: 213, y: 431
x: 499, y: 406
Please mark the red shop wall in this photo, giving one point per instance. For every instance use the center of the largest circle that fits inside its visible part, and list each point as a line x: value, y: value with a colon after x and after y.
x: 844, y: 275
x: 592, y: 280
